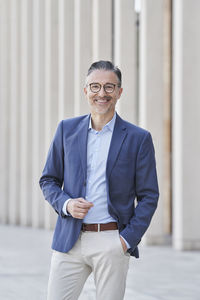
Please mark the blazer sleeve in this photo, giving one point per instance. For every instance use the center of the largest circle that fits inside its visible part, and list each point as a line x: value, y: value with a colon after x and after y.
x: 147, y: 193
x: 51, y: 181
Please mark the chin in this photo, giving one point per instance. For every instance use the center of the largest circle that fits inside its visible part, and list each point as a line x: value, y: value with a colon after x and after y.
x: 101, y: 112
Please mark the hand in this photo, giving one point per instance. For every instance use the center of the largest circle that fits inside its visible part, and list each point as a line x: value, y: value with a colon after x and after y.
x: 78, y: 207
x: 123, y: 244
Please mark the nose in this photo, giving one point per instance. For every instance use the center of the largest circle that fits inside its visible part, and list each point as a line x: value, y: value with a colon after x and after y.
x: 102, y: 93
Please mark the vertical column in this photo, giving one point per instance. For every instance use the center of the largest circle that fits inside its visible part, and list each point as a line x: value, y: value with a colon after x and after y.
x: 186, y: 122
x: 51, y: 70
x: 4, y: 111
x: 151, y: 105
x: 47, y: 99
x: 38, y: 111
x: 82, y: 51
x: 167, y: 107
x: 125, y: 56
x: 25, y: 116
x: 102, y: 30
x: 66, y: 59
x: 14, y: 159
x: 51, y: 86
x: 35, y: 112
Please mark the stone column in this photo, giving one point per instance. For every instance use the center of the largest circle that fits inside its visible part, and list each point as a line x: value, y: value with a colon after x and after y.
x: 4, y: 111
x: 153, y: 101
x: 25, y: 124
x: 38, y: 110
x: 125, y: 56
x: 65, y: 59
x: 186, y: 124
x: 82, y: 52
x: 50, y: 87
x: 14, y: 105
x: 102, y: 30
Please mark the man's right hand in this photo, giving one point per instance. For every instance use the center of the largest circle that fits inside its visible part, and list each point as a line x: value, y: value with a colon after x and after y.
x: 78, y: 207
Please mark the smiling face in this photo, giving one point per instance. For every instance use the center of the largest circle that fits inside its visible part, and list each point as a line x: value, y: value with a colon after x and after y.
x: 102, y: 103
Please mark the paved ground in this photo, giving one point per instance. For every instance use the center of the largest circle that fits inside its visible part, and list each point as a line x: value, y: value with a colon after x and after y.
x: 160, y: 274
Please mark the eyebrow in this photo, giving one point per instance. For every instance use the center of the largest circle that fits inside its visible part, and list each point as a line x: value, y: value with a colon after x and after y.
x: 103, y: 84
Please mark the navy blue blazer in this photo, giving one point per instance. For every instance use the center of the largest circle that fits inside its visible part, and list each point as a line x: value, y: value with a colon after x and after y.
x: 131, y: 176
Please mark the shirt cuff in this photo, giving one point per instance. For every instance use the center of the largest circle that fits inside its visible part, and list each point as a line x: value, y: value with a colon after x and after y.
x: 64, y: 209
x: 127, y: 244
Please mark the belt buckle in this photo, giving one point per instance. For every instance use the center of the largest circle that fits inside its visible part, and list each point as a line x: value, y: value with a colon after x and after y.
x: 98, y: 227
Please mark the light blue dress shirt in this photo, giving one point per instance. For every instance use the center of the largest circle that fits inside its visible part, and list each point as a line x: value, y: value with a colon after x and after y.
x: 98, y: 145
x: 96, y: 190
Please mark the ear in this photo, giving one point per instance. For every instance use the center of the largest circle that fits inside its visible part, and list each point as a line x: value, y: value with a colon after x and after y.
x: 120, y: 92
x: 85, y: 91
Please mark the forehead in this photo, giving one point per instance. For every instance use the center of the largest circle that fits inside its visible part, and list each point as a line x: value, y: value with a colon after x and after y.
x: 102, y: 76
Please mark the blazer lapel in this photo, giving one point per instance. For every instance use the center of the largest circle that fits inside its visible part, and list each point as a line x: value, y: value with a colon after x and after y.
x: 82, y: 143
x: 119, y: 134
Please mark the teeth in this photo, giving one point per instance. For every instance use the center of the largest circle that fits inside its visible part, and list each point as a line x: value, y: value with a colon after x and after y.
x: 102, y: 101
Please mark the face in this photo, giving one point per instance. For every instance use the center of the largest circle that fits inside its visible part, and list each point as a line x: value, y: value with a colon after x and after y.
x: 102, y: 102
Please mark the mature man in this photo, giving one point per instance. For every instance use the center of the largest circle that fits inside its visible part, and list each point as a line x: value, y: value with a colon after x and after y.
x: 96, y: 168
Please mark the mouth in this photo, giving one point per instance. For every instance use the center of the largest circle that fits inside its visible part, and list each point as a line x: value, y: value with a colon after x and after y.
x: 103, y: 100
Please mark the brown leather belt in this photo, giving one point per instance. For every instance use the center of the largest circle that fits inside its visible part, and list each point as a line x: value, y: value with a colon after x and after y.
x: 99, y: 227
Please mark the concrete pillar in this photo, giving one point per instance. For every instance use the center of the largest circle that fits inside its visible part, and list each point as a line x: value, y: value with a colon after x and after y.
x: 4, y: 111
x: 102, y: 30
x: 51, y: 88
x: 82, y: 52
x: 186, y: 122
x: 152, y: 100
x: 14, y: 104
x: 25, y: 124
x: 65, y: 59
x: 38, y: 110
x: 125, y: 56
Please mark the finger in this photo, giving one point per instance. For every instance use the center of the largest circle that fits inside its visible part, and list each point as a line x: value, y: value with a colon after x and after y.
x: 79, y: 204
x: 80, y: 210
x: 79, y: 215
x: 83, y: 207
x: 82, y: 200
x: 84, y: 204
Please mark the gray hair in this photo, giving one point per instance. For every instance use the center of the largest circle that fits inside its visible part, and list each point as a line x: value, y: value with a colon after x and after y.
x: 107, y: 66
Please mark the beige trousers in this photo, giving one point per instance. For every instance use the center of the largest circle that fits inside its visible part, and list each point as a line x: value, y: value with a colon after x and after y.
x: 97, y: 252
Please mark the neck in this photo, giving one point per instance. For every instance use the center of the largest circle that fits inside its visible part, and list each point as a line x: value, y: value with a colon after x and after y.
x: 99, y: 121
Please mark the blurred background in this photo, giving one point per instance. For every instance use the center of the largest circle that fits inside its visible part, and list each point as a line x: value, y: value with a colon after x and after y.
x: 46, y: 48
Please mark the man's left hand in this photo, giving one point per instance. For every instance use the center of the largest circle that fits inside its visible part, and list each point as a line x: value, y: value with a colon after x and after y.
x: 123, y: 244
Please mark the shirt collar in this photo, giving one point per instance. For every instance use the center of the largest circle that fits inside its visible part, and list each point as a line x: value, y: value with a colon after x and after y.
x: 110, y: 125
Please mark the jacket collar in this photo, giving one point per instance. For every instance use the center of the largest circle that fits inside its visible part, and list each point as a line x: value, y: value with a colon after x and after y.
x: 118, y: 137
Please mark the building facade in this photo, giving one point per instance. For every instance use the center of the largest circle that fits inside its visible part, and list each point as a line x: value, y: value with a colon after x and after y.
x: 46, y: 47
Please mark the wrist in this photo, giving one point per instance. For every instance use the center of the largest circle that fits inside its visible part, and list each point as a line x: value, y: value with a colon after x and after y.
x: 68, y: 206
x: 125, y: 248
x: 65, y: 210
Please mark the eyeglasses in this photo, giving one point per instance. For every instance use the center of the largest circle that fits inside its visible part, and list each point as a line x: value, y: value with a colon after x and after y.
x: 95, y: 87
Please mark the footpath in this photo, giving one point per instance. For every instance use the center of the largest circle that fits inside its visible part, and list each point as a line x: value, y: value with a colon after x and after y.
x: 161, y: 273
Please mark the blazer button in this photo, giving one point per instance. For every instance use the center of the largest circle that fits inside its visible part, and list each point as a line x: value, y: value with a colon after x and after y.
x: 84, y: 183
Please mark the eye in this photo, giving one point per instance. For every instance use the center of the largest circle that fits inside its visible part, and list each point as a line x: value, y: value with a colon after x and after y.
x: 95, y: 87
x: 109, y: 87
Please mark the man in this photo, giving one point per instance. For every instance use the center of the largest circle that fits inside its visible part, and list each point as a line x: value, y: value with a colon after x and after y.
x: 96, y: 167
